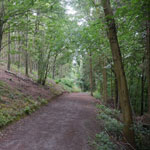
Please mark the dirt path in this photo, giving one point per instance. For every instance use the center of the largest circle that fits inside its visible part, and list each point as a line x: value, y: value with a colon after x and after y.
x: 67, y: 123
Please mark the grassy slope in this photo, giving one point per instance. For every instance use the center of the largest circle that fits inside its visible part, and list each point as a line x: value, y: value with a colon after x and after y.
x: 17, y: 100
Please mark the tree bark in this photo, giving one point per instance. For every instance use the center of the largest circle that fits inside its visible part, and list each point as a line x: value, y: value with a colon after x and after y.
x: 1, y: 22
x: 46, y: 68
x: 116, y: 94
x: 1, y: 34
x: 91, y: 73
x: 19, y: 51
x: 104, y: 72
x: 9, y: 47
x: 142, y: 92
x: 148, y: 60
x: 26, y: 52
x: 54, y: 66
x: 119, y: 70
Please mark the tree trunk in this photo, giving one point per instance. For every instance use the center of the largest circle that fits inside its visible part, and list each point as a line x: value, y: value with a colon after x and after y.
x: 116, y: 94
x: 119, y: 70
x: 46, y: 68
x: 26, y: 53
x: 19, y: 51
x: 148, y: 60
x: 104, y: 72
x: 9, y: 47
x: 111, y: 84
x: 1, y: 34
x: 26, y: 61
x: 54, y: 66
x: 142, y: 92
x: 91, y: 74
x: 1, y: 22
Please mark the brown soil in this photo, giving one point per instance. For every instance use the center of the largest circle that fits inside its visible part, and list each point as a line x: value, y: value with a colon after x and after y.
x: 66, y: 123
x: 28, y: 87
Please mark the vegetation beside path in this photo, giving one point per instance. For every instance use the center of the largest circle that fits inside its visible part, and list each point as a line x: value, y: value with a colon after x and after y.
x: 111, y: 136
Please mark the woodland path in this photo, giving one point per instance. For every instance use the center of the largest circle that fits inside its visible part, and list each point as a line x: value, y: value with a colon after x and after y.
x: 66, y: 123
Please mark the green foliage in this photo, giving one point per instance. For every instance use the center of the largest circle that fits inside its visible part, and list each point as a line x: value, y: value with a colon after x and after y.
x: 68, y: 85
x: 103, y: 142
x: 142, y: 137
x: 5, y: 118
x: 27, y: 110
x: 43, y: 101
x: 97, y: 95
x: 66, y: 82
x: 109, y: 117
x: 110, y: 112
x: 112, y: 128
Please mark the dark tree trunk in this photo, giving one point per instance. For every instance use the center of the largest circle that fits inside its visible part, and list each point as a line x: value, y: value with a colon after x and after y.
x: 111, y: 84
x: 104, y: 72
x: 1, y: 34
x: 91, y: 74
x: 116, y: 94
x: 26, y: 61
x: 9, y: 47
x: 1, y: 22
x: 54, y: 66
x: 119, y: 70
x: 142, y: 92
x: 148, y: 61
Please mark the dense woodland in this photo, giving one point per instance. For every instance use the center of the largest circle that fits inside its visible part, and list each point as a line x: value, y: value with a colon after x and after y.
x: 101, y: 46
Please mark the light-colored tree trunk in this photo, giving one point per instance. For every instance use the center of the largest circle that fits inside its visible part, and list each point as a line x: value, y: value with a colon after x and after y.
x: 119, y: 70
x: 19, y: 51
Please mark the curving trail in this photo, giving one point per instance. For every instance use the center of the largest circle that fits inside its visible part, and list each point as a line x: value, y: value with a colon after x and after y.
x: 66, y: 123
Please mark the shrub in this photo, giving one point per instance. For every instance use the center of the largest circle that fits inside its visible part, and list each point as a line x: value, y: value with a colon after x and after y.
x: 142, y: 137
x: 27, y: 110
x: 111, y: 124
x: 97, y: 95
x: 103, y: 142
x: 4, y: 118
x: 43, y: 101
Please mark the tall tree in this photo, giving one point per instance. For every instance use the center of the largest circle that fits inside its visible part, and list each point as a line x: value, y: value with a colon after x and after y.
x: 119, y: 69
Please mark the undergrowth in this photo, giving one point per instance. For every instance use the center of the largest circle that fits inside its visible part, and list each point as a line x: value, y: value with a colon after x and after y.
x: 97, y: 95
x: 112, y: 137
x: 14, y: 105
x: 68, y: 85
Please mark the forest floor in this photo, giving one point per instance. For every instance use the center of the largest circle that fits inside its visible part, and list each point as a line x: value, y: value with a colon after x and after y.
x: 67, y: 123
